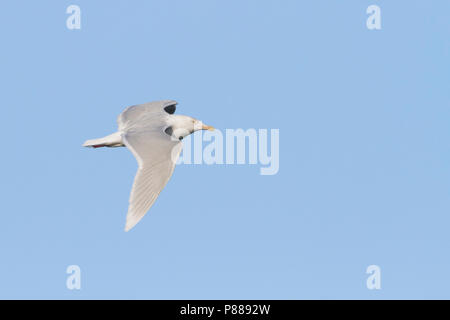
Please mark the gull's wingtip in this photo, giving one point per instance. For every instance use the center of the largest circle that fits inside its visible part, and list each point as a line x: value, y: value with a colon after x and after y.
x: 89, y: 143
x: 130, y: 225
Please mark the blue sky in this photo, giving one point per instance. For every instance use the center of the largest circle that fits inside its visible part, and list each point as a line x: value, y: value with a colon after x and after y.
x: 364, y: 149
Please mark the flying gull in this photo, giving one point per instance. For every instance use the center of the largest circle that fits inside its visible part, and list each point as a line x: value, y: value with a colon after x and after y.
x: 153, y: 133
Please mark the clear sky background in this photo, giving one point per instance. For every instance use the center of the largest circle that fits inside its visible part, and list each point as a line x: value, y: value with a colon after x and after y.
x: 364, y: 149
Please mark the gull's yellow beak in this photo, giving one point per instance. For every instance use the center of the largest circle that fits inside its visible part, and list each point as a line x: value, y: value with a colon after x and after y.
x: 205, y: 127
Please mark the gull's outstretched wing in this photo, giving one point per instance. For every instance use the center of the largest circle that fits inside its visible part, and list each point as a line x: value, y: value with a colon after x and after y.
x: 156, y: 154
x: 147, y: 115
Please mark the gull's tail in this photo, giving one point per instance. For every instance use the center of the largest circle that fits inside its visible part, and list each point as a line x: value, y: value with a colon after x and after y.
x: 113, y: 140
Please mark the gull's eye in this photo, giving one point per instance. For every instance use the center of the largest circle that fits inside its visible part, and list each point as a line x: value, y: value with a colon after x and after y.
x: 180, y: 137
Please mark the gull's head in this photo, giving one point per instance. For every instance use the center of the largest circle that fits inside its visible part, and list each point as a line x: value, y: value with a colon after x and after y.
x: 183, y: 126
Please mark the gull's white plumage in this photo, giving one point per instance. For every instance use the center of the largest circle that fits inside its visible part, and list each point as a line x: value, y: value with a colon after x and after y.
x: 143, y: 130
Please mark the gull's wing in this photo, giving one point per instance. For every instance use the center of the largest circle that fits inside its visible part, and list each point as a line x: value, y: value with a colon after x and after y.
x: 147, y: 115
x: 156, y: 154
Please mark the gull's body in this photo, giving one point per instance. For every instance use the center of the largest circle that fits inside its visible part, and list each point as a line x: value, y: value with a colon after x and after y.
x: 152, y: 133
